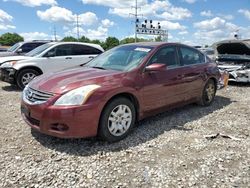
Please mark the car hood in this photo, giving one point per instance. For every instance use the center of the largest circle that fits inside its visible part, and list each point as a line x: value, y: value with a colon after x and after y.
x: 13, y: 58
x: 5, y: 54
x: 61, y: 82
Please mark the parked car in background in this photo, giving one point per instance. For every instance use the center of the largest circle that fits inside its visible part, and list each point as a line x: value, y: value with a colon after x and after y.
x: 209, y: 52
x: 3, y: 49
x: 233, y: 56
x: 50, y: 57
x: 125, y: 84
x: 22, y: 48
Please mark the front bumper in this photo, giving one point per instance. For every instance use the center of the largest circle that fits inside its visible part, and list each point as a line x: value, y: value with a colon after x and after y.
x: 7, y: 75
x: 63, y: 122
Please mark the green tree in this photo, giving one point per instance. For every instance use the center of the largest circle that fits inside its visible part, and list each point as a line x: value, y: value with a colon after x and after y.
x: 110, y: 42
x: 127, y: 40
x: 9, y: 39
x: 84, y: 39
x: 132, y: 40
x: 69, y: 39
x: 158, y: 38
x: 96, y: 42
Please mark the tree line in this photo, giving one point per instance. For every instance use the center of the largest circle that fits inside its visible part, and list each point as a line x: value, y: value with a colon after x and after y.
x: 9, y: 39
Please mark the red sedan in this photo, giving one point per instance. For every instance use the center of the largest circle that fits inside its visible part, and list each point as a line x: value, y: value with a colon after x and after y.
x: 121, y: 86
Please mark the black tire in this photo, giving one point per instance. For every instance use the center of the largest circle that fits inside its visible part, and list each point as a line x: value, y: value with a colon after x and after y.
x: 21, y: 76
x: 104, y: 131
x: 208, y: 93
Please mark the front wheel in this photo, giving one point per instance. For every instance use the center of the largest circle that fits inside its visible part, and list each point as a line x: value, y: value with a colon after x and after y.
x: 25, y: 76
x: 117, y: 119
x: 208, y: 93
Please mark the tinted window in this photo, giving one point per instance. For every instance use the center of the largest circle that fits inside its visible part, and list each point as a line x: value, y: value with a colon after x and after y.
x: 27, y: 47
x: 62, y: 50
x: 85, y: 50
x: 165, y: 55
x: 38, y: 44
x: 190, y: 56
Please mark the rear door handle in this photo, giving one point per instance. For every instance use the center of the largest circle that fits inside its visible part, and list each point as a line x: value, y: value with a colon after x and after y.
x: 180, y: 76
x: 91, y: 57
x: 68, y: 58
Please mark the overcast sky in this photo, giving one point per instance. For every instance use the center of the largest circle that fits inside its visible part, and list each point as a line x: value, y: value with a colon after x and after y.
x: 188, y: 21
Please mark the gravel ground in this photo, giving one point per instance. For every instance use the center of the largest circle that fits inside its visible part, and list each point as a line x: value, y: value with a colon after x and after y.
x: 167, y: 150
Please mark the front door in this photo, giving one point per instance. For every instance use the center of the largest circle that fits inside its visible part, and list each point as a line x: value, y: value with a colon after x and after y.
x: 163, y: 88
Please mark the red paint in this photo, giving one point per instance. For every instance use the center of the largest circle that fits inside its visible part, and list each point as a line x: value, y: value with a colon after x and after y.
x: 155, y: 91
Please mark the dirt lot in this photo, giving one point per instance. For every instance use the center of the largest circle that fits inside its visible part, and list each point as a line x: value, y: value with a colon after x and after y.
x: 168, y: 150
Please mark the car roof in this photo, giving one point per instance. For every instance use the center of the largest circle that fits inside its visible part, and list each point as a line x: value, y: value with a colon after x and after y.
x: 153, y: 44
x: 81, y: 43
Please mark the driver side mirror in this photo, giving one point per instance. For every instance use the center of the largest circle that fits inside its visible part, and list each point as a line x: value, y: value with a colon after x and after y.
x: 156, y: 67
x: 50, y: 54
x: 19, y: 51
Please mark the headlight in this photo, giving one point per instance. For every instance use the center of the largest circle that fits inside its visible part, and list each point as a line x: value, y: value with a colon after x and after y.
x: 9, y: 64
x: 77, y: 96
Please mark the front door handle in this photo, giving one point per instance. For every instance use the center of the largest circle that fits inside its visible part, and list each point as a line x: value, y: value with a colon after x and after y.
x: 68, y: 58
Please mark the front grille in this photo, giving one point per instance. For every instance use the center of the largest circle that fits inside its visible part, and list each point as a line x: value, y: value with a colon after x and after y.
x: 32, y: 96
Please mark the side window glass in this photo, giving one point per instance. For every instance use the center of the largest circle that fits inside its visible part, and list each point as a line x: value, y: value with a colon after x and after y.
x: 165, y: 55
x: 202, y: 58
x: 85, y: 50
x: 26, y: 48
x: 190, y: 56
x: 63, y: 50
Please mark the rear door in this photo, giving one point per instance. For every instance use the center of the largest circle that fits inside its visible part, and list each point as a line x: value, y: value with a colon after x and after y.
x: 83, y: 54
x: 194, y: 66
x: 163, y: 88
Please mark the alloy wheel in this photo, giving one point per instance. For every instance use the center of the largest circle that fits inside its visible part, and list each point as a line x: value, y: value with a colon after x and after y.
x: 119, y: 120
x: 27, y: 78
x: 210, y: 91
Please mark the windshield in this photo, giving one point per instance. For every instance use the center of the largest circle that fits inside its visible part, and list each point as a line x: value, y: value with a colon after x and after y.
x: 39, y: 50
x: 14, y: 47
x: 123, y: 58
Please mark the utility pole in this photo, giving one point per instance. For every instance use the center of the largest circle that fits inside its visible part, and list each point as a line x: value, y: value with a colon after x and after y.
x: 136, y: 17
x: 55, y: 33
x: 77, y: 25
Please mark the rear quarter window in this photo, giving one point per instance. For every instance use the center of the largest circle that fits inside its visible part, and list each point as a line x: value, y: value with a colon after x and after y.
x: 85, y: 50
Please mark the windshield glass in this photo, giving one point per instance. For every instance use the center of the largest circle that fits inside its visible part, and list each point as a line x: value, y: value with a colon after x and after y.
x: 39, y: 50
x: 14, y: 47
x: 123, y: 58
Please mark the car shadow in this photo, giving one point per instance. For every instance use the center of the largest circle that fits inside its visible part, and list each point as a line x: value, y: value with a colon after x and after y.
x: 11, y: 88
x: 145, y: 130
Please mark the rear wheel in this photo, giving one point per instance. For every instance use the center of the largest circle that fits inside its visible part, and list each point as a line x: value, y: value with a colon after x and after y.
x: 117, y: 119
x: 208, y: 93
x: 25, y: 76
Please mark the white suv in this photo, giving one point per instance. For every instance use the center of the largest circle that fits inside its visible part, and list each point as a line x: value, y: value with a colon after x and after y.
x: 50, y: 57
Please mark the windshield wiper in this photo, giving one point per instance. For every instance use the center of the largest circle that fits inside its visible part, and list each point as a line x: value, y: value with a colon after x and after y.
x: 96, y: 67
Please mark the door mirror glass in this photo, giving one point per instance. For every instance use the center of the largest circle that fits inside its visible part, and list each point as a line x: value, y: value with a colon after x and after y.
x: 156, y: 67
x: 19, y: 50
